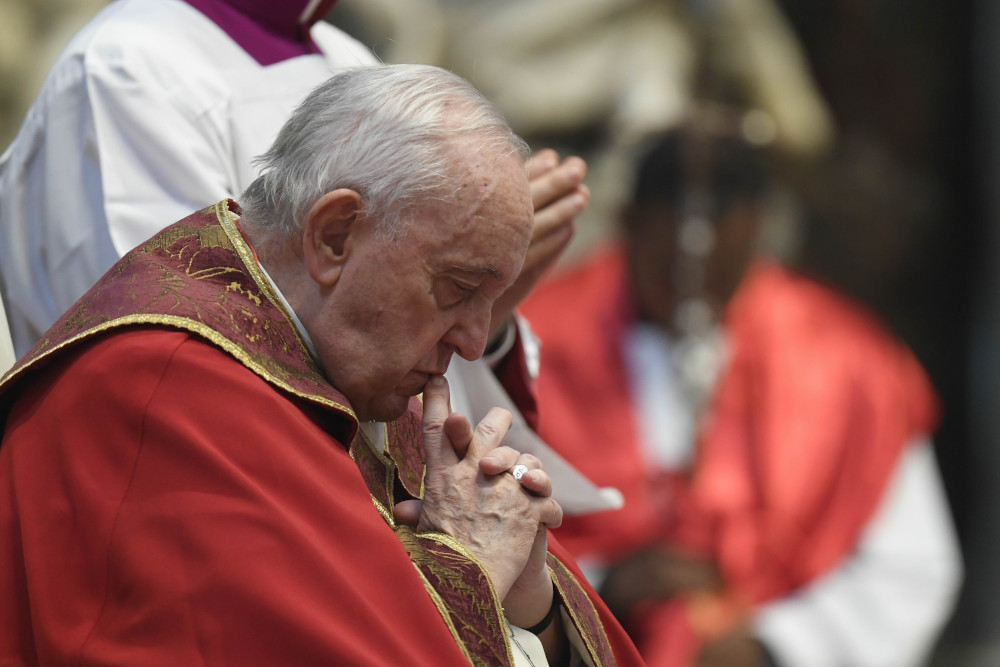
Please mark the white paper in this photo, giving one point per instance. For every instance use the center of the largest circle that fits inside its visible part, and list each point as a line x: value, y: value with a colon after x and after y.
x: 475, y: 389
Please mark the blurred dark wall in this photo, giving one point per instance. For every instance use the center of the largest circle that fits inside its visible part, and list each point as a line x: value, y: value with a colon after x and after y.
x: 908, y: 233
x: 980, y: 617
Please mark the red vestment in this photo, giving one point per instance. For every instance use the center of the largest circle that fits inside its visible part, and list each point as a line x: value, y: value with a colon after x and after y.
x: 793, y: 454
x: 180, y: 485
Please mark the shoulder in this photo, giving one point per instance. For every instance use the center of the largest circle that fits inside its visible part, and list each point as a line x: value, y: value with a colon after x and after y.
x: 142, y: 380
x: 119, y: 369
x: 794, y: 329
x: 154, y: 44
x: 128, y: 365
x: 591, y: 292
x: 146, y: 30
x: 783, y: 300
x: 101, y: 386
x: 150, y: 45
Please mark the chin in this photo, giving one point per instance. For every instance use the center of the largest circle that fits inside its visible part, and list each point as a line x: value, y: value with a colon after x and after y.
x: 384, y: 409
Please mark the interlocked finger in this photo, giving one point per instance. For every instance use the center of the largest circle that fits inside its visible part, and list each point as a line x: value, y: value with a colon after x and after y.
x: 524, y: 464
x: 518, y: 472
x: 530, y: 474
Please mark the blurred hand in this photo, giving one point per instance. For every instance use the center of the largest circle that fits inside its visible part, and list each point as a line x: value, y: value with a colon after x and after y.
x: 736, y: 649
x: 655, y: 574
x: 559, y: 196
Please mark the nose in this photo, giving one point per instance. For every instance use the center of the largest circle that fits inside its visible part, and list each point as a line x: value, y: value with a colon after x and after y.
x: 469, y: 334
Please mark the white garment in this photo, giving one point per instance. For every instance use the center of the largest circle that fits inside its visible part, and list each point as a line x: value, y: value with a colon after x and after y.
x: 6, y: 347
x: 884, y: 605
x: 150, y: 113
x: 475, y: 390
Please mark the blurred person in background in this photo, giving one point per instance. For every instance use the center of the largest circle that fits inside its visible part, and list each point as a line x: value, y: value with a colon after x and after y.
x: 158, y: 107
x: 598, y: 75
x: 153, y: 109
x: 771, y: 438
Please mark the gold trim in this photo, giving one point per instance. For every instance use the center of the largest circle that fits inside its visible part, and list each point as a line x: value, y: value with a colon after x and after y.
x: 458, y: 547
x: 381, y: 455
x: 384, y: 511
x: 444, y: 613
x: 585, y: 636
x: 389, y: 473
x: 387, y: 462
x: 194, y: 327
x: 226, y: 220
x: 453, y: 544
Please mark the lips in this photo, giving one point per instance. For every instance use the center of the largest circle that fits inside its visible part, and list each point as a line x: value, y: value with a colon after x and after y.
x: 432, y: 371
x: 414, y: 382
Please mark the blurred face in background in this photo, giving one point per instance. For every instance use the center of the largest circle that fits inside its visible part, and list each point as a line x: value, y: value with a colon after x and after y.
x: 692, y: 228
x: 673, y: 259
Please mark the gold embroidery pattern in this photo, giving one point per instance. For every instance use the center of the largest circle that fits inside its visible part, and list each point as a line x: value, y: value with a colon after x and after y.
x: 443, y: 610
x: 581, y: 610
x: 455, y: 579
x: 400, y: 436
x: 467, y: 595
x: 227, y: 220
x: 194, y: 276
x: 377, y: 472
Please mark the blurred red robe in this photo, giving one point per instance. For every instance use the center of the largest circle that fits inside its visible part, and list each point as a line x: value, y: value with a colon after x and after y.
x: 793, y: 453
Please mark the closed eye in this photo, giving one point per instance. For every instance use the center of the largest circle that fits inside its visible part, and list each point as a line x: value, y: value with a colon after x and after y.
x: 463, y: 291
x: 450, y: 292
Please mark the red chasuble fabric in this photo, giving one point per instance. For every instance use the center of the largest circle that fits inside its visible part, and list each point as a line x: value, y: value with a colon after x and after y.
x: 189, y: 530
x: 794, y: 452
x: 210, y: 520
x: 179, y: 484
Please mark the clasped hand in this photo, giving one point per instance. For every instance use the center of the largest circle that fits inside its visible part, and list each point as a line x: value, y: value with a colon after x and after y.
x: 469, y: 496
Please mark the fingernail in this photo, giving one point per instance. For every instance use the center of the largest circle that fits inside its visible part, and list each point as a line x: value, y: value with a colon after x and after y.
x: 435, y: 381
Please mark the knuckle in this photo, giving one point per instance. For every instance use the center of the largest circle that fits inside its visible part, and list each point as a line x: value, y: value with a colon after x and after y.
x: 487, y: 429
x: 506, y: 450
x: 531, y: 460
x: 433, y: 427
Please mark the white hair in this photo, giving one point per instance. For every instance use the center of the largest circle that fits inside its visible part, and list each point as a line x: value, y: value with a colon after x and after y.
x: 385, y: 131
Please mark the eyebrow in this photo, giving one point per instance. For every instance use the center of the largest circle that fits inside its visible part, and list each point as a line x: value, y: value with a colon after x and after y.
x: 478, y: 270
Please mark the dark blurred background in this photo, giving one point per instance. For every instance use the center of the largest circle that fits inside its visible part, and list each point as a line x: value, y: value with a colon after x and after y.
x: 894, y: 102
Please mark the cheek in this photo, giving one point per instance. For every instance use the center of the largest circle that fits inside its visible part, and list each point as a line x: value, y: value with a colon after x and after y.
x: 414, y: 336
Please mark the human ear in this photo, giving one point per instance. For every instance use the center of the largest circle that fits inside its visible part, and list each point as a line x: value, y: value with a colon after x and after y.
x: 329, y: 230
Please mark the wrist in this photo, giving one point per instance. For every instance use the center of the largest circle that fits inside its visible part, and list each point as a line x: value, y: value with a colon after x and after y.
x: 527, y: 605
x: 542, y: 625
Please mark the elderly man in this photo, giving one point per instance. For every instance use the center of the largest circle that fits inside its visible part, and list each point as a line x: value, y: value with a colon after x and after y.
x: 216, y: 456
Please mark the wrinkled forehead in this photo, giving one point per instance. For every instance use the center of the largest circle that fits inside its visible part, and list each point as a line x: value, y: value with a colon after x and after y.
x: 493, y: 180
x: 484, y: 219
x: 508, y: 204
